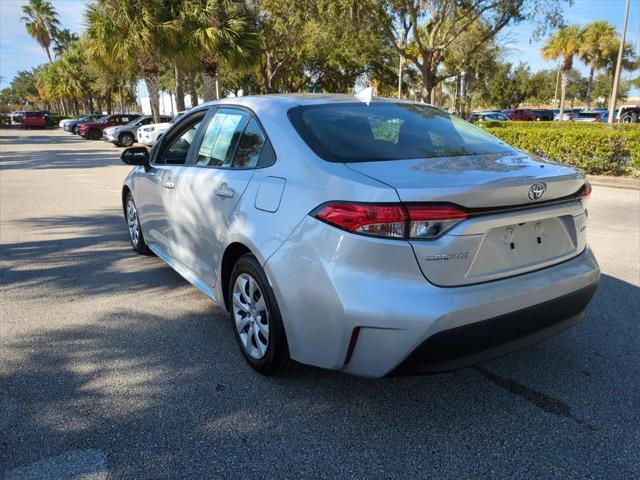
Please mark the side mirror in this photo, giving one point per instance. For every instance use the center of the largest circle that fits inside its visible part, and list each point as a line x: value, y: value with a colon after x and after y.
x: 136, y: 156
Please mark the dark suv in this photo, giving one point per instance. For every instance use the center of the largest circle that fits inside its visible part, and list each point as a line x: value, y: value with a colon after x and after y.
x: 93, y: 130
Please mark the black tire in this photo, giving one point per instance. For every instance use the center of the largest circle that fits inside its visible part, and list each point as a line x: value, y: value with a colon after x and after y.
x: 94, y: 134
x: 276, y: 355
x: 133, y: 226
x: 629, y: 118
x: 126, y: 140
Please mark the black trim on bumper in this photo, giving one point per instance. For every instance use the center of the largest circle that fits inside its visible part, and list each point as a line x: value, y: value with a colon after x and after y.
x: 478, y: 342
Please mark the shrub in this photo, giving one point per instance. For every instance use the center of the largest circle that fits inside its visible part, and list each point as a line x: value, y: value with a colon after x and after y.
x: 53, y: 120
x: 597, y: 148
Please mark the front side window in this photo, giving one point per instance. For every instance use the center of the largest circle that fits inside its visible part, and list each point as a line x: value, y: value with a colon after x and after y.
x: 176, y: 151
x: 357, y: 132
x: 221, y: 138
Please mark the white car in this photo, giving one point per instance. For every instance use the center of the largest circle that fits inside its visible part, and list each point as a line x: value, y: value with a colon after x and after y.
x: 148, y: 135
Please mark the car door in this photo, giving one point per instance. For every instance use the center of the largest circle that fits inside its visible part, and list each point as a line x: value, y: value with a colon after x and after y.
x: 156, y: 190
x: 209, y: 191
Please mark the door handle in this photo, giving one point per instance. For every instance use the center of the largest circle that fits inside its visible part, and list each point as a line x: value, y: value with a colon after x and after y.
x: 224, y: 191
x: 169, y: 184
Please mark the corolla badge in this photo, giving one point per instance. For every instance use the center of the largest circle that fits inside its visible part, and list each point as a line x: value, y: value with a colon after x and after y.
x: 537, y: 191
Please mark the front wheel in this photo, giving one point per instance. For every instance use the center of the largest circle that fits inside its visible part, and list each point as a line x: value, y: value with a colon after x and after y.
x: 257, y: 323
x: 133, y: 223
x: 95, y: 134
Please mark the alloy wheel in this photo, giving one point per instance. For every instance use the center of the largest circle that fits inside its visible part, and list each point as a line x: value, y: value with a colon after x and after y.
x: 132, y: 222
x: 251, y: 316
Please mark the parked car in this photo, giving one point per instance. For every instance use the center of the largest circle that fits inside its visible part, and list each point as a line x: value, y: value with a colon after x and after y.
x: 521, y: 114
x: 93, y: 130
x: 125, y: 135
x: 16, y: 117
x: 375, y: 238
x: 64, y: 121
x: 149, y: 134
x: 628, y: 114
x: 488, y: 117
x: 542, y: 115
x: 72, y: 125
x: 569, y: 114
x: 34, y: 120
x: 589, y: 116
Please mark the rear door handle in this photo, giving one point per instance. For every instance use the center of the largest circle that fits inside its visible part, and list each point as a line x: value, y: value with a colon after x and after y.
x: 170, y: 184
x: 224, y: 191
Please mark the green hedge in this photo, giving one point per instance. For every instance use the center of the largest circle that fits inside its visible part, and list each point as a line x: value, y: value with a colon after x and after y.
x: 597, y: 148
x: 53, y: 120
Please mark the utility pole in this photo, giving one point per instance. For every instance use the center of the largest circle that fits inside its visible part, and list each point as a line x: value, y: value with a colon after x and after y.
x: 400, y: 77
x: 616, y: 78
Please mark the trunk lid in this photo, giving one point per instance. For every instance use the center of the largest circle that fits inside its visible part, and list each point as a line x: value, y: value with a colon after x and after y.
x: 477, y: 181
x: 491, y: 244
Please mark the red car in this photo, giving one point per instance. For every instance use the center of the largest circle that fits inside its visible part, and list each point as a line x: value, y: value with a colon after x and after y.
x: 93, y: 130
x: 33, y: 120
x: 522, y: 115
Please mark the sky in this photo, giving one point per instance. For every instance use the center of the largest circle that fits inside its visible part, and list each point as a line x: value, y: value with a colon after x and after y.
x: 18, y: 51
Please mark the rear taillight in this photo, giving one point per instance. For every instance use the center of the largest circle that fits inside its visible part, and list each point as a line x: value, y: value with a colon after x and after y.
x: 391, y: 220
x: 585, y: 191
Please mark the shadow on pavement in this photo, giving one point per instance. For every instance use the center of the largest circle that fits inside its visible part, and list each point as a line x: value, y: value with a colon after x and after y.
x: 171, y: 393
x: 52, y: 159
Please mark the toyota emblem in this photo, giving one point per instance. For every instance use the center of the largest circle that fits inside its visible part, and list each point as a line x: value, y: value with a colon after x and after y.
x: 537, y: 191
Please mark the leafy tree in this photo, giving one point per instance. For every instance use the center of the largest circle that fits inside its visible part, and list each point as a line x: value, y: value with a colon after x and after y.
x: 423, y: 32
x: 598, y: 40
x: 507, y: 87
x: 220, y: 31
x: 565, y: 43
x: 42, y: 22
x: 121, y: 30
x: 602, y: 88
x: 63, y: 40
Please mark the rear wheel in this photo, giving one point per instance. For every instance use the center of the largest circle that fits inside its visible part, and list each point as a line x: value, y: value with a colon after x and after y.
x: 126, y: 140
x: 94, y: 134
x: 629, y: 118
x: 256, y: 318
x: 133, y: 223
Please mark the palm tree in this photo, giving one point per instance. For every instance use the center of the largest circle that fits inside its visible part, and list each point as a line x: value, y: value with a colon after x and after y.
x: 219, y: 31
x: 598, y: 40
x: 564, y: 44
x: 122, y: 30
x: 42, y: 22
x: 63, y: 40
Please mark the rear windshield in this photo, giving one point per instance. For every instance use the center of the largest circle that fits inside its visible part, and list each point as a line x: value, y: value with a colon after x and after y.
x: 357, y: 132
x: 34, y: 114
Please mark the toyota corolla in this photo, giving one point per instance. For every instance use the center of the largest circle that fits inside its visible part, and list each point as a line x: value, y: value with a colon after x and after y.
x: 376, y: 238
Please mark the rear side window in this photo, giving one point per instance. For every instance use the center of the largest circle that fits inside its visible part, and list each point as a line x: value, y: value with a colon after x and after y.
x: 356, y: 132
x: 250, y: 146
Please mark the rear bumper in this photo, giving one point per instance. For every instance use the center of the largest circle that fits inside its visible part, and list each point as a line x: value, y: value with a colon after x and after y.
x: 488, y: 339
x: 329, y: 284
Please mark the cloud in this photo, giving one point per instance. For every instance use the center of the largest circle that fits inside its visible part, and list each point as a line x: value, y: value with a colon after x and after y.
x: 18, y: 51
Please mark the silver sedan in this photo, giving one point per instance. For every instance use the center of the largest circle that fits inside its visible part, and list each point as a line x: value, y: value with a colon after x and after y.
x: 373, y: 237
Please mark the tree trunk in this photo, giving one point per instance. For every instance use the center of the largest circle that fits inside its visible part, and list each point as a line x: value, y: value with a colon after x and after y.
x: 120, y: 98
x: 76, y: 108
x: 590, y: 83
x: 179, y: 74
x: 209, y: 86
x: 563, y: 91
x: 192, y: 88
x: 153, y: 87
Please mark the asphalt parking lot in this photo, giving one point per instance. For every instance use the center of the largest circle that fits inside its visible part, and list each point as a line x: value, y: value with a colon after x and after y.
x: 112, y: 366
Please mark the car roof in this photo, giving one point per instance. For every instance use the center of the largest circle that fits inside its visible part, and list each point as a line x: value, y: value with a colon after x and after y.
x: 289, y: 100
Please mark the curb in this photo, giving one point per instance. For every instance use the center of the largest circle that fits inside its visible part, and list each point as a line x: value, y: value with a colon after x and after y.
x: 615, y: 182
